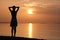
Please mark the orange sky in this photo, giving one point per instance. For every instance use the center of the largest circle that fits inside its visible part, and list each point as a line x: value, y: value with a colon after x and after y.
x: 43, y: 11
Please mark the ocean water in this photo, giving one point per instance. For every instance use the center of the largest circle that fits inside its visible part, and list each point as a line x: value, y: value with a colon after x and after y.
x: 32, y: 30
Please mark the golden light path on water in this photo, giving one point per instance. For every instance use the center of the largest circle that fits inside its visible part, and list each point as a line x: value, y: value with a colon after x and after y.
x: 30, y: 30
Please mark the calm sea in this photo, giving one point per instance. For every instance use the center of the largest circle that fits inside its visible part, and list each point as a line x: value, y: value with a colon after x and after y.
x: 33, y: 30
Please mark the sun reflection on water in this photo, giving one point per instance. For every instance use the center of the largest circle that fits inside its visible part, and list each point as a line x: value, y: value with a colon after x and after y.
x: 30, y: 30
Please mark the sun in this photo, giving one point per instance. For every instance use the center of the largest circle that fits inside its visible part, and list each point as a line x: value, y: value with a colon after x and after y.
x: 29, y: 11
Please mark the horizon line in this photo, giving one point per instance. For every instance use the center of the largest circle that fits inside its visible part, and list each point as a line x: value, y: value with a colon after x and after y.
x: 32, y: 22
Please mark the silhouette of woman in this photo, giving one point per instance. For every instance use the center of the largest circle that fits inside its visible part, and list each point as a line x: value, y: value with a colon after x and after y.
x: 13, y: 23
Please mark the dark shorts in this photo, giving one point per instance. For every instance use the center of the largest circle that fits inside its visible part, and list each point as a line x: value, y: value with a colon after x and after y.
x: 13, y: 23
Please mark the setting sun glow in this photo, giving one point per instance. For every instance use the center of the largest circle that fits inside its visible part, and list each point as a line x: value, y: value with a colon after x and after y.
x: 29, y: 11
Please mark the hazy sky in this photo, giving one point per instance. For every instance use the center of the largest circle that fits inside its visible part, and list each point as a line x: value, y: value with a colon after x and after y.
x: 44, y: 11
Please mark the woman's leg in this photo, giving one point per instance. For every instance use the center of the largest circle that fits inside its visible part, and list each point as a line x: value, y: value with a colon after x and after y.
x: 14, y: 31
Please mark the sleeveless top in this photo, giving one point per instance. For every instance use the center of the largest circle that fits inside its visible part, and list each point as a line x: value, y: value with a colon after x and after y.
x: 13, y: 20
